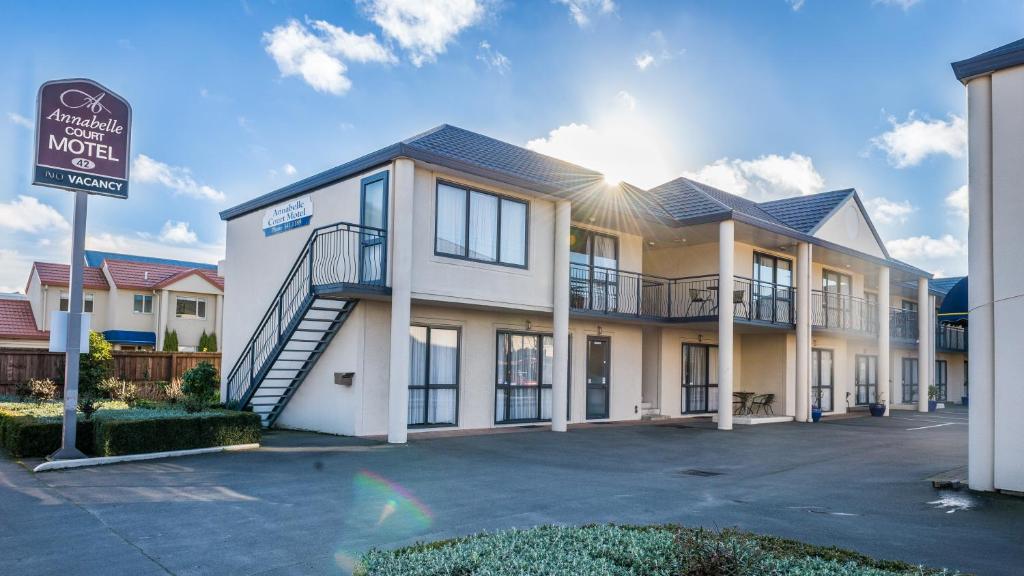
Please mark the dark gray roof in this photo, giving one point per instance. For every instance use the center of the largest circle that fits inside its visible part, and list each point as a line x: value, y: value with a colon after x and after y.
x: 943, y: 285
x: 1006, y: 56
x: 807, y: 213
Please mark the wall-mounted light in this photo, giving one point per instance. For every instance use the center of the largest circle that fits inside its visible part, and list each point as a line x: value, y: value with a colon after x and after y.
x: 529, y: 325
x: 700, y: 337
x: 600, y: 330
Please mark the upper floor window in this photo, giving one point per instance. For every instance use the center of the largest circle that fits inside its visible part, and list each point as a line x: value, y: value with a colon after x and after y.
x: 87, y: 303
x: 835, y: 283
x: 142, y: 304
x: 480, y: 226
x: 909, y: 306
x: 772, y: 269
x: 591, y: 248
x: 189, y: 307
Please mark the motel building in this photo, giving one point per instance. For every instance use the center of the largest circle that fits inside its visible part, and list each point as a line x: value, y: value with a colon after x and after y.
x: 452, y: 280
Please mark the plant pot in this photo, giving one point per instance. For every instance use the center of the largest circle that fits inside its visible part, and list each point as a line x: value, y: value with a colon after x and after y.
x: 932, y: 405
x: 815, y: 414
x: 963, y: 400
x: 877, y: 410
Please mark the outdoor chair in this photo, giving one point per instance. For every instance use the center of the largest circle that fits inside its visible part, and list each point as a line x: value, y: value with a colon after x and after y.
x: 739, y: 297
x: 763, y: 402
x: 698, y: 298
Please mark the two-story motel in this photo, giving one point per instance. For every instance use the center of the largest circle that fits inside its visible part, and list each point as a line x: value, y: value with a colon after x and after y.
x: 455, y: 280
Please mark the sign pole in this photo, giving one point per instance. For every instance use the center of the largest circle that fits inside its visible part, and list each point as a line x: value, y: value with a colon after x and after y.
x: 68, y: 450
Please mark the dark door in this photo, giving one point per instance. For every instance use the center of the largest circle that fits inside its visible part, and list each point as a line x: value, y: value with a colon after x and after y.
x: 910, y: 380
x: 599, y: 356
x: 941, y: 380
x: 373, y: 218
x: 822, y: 379
x: 866, y: 379
x: 700, y: 378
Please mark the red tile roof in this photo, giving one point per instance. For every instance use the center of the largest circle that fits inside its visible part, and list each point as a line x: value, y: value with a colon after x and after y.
x: 17, y: 322
x: 141, y: 275
x: 51, y: 274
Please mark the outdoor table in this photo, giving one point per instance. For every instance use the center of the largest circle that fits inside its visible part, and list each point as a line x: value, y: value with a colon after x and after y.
x: 745, y: 398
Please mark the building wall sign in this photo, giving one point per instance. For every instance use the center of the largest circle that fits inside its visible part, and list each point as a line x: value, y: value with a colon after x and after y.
x: 83, y: 136
x: 291, y: 214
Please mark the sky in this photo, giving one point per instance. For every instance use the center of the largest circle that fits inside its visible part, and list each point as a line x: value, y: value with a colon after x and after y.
x: 767, y: 99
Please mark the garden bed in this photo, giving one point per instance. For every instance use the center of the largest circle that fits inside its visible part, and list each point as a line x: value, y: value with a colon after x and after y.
x: 33, y: 429
x: 627, y: 550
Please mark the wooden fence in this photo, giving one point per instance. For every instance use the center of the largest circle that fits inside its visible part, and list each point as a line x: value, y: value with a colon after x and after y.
x: 20, y: 365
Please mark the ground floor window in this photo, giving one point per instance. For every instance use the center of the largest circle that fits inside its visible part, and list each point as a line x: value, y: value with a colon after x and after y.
x: 822, y: 379
x: 865, y: 379
x: 910, y: 380
x: 941, y: 380
x: 433, y: 376
x: 523, y: 391
x: 700, y: 378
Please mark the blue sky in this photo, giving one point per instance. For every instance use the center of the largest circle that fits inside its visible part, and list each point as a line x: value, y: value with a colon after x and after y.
x: 769, y: 98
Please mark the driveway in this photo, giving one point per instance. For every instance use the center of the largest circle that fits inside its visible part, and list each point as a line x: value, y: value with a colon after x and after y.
x: 308, y: 503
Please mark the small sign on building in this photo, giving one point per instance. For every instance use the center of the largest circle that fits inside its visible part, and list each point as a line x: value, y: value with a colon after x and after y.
x: 291, y: 214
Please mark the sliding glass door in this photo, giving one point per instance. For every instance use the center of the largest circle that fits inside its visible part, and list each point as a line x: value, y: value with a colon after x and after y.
x: 433, y: 376
x: 772, y: 289
x: 523, y: 390
x: 836, y: 289
x: 700, y: 379
x: 866, y: 379
x: 941, y: 380
x: 594, y: 258
x: 822, y: 379
x: 910, y: 380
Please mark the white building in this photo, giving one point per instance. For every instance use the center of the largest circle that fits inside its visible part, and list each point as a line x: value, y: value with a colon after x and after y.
x: 995, y: 104
x: 455, y: 280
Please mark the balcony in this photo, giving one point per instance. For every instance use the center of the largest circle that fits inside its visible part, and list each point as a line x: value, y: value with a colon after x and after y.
x: 950, y: 338
x: 903, y: 326
x: 605, y: 291
x: 843, y: 313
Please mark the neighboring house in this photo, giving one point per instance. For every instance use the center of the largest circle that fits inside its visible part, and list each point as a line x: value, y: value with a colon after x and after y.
x: 17, y: 324
x: 995, y: 159
x: 135, y: 300
x: 456, y: 280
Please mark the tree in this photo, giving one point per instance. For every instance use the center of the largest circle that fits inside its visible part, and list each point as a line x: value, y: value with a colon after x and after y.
x: 170, y: 341
x: 211, y: 342
x: 95, y: 366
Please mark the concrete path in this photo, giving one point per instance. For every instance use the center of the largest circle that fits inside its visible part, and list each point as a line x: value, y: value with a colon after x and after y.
x: 308, y: 503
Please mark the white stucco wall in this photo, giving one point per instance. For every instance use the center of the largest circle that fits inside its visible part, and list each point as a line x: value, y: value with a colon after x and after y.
x: 848, y: 227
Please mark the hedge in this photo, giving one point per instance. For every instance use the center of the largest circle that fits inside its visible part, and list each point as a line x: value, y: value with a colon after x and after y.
x: 28, y: 431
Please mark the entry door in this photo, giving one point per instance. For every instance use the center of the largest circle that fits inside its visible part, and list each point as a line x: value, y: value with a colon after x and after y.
x: 822, y: 379
x: 866, y: 379
x: 941, y: 380
x: 836, y: 288
x: 599, y: 356
x: 700, y: 378
x: 373, y: 217
x: 910, y: 380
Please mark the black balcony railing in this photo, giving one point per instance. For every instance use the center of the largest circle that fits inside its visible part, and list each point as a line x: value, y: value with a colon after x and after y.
x: 951, y: 338
x: 903, y: 325
x: 610, y: 291
x: 832, y: 311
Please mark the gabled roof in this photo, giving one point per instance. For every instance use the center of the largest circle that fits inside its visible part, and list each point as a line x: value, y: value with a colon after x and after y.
x: 807, y: 213
x: 51, y: 274
x: 146, y: 276
x: 17, y: 321
x: 1005, y: 56
x: 96, y: 258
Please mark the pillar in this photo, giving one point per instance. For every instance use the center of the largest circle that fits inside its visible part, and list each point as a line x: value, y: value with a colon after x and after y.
x: 883, y: 390
x: 803, y: 333
x: 981, y: 369
x: 726, y: 269
x: 161, y: 322
x: 923, y: 338
x: 401, y: 301
x: 560, y: 321
x: 218, y: 322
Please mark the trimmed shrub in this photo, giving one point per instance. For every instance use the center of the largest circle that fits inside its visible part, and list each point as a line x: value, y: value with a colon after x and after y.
x: 122, y: 390
x: 170, y: 341
x: 96, y: 366
x: 172, y: 390
x: 116, y: 436
x: 199, y: 384
x: 29, y: 436
x: 37, y: 389
x: 211, y: 342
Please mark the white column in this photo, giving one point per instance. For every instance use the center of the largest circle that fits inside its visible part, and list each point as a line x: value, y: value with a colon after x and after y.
x: 726, y: 269
x: 803, y: 333
x: 401, y: 301
x: 161, y: 321
x: 218, y: 323
x: 884, y: 390
x: 923, y: 338
x: 560, y: 322
x: 981, y: 369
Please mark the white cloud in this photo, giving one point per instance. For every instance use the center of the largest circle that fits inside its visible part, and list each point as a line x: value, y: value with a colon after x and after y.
x: 20, y: 120
x: 177, y: 178
x: 289, y: 169
x: 494, y: 59
x: 910, y: 142
x: 656, y: 54
x: 424, y: 28
x: 796, y: 5
x: 885, y: 211
x: 946, y: 254
x: 14, y: 269
x: 764, y: 178
x: 178, y: 233
x: 644, y: 60
x: 904, y: 4
x: 28, y: 214
x: 956, y: 202
x: 582, y: 11
x: 626, y: 99
x: 318, y: 55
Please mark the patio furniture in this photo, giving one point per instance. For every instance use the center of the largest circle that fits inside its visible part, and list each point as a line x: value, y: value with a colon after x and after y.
x: 698, y: 297
x: 740, y: 297
x: 763, y: 402
x: 742, y: 399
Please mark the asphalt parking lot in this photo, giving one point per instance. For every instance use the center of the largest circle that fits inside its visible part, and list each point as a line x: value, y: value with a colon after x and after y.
x: 308, y: 503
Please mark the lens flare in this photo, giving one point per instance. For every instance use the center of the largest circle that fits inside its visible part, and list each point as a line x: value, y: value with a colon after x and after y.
x: 398, y: 507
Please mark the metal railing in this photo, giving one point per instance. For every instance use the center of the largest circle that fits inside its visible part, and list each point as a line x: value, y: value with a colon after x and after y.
x: 610, y: 291
x: 335, y: 257
x: 833, y: 311
x: 903, y: 325
x: 759, y: 301
x: 951, y: 338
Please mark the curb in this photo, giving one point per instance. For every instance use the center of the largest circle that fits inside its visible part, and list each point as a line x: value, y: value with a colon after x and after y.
x: 84, y: 462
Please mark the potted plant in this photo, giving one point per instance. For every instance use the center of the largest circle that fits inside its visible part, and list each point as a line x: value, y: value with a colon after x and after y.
x: 877, y: 408
x: 932, y: 403
x: 816, y: 406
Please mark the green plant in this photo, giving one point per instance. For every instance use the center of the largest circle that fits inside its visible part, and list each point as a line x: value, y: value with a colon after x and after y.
x: 95, y: 366
x: 933, y: 392
x: 199, y: 384
x: 707, y: 553
x: 88, y: 405
x: 114, y: 436
x: 118, y: 389
x: 211, y: 342
x: 172, y: 390
x: 37, y: 389
x: 170, y: 340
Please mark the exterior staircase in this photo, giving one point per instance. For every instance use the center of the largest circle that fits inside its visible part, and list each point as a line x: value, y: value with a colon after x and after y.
x: 338, y: 264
